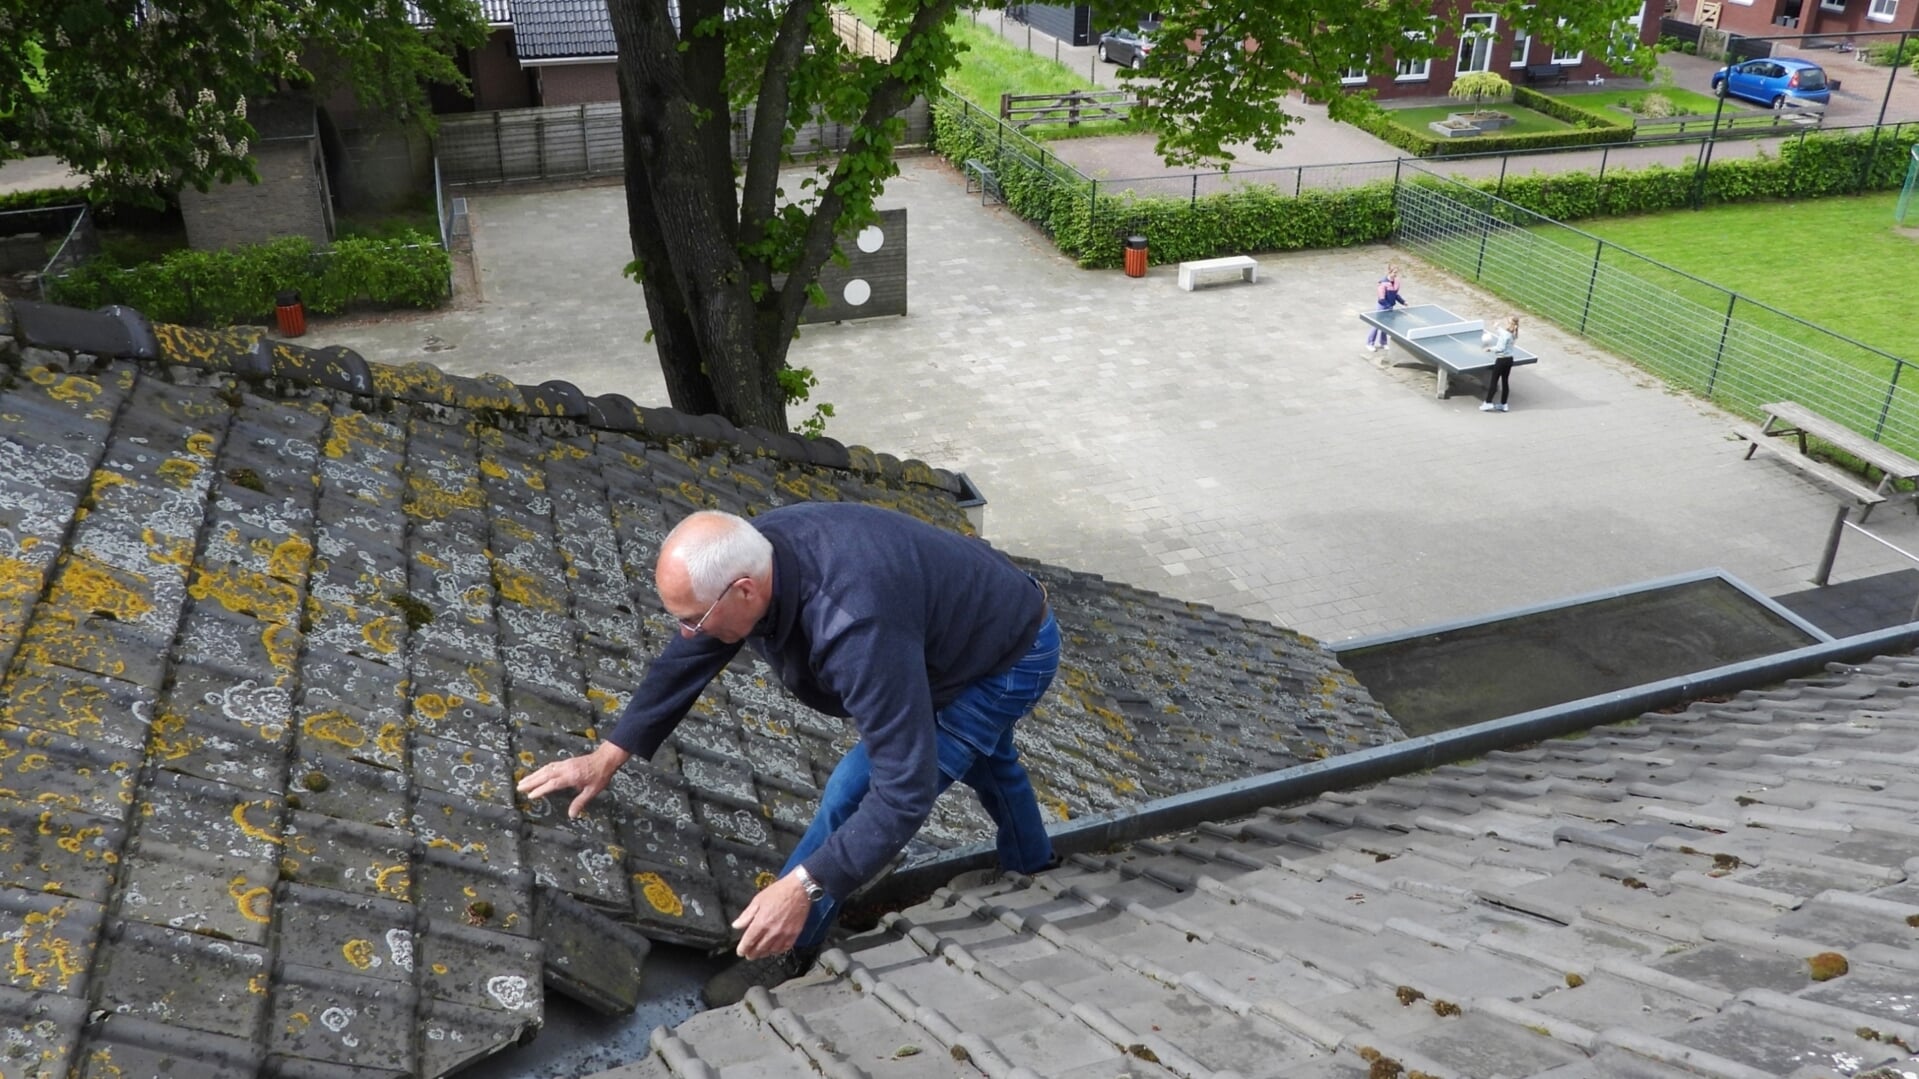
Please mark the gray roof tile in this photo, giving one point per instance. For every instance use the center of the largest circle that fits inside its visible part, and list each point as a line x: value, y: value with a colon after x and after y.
x: 562, y: 29
x: 1404, y: 927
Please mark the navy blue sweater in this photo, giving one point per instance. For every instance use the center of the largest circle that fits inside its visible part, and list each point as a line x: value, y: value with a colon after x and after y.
x: 876, y: 617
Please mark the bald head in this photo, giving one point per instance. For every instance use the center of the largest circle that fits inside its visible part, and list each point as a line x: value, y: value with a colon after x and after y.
x: 705, y: 555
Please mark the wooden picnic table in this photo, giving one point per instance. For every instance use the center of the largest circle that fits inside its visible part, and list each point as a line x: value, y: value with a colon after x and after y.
x: 1792, y: 418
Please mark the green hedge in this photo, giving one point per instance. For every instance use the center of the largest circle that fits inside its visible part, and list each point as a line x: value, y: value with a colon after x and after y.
x: 1035, y: 185
x: 1590, y: 129
x: 220, y: 288
x: 1812, y: 167
x: 43, y: 198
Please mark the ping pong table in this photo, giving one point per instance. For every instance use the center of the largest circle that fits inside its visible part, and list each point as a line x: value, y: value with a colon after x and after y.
x: 1441, y: 340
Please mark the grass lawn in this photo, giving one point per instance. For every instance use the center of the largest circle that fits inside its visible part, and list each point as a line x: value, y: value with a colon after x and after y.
x: 1525, y: 121
x: 990, y: 66
x: 1837, y: 264
x: 1815, y: 259
x: 1686, y: 102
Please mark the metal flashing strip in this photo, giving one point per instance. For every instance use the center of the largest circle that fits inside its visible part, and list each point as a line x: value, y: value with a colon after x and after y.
x: 1239, y: 798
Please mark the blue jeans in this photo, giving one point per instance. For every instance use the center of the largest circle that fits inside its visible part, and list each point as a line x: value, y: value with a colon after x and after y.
x: 975, y: 742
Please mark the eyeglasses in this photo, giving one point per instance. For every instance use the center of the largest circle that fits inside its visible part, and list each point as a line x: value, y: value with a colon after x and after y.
x: 692, y: 629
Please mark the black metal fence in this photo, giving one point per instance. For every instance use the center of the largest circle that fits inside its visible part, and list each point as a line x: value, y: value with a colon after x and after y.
x: 1727, y: 348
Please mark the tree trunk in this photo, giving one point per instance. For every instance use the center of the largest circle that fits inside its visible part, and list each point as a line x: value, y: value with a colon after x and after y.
x: 684, y: 219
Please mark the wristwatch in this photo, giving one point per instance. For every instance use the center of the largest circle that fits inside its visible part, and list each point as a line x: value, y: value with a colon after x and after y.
x: 814, y: 893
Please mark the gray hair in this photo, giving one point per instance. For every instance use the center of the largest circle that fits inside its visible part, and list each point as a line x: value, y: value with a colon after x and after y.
x: 732, y: 549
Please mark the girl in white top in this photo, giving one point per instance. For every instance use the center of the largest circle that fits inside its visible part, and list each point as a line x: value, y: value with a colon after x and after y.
x: 1502, y: 376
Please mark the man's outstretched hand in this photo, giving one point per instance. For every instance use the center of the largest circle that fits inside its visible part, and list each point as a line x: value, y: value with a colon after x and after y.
x: 772, y: 921
x: 588, y: 773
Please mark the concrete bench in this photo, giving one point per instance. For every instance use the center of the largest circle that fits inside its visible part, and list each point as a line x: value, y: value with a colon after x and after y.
x: 1550, y: 73
x: 1791, y: 418
x: 980, y: 172
x: 1240, y: 266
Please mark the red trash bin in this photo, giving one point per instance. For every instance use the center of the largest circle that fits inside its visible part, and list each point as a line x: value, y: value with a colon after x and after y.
x: 1136, y: 256
x: 290, y: 313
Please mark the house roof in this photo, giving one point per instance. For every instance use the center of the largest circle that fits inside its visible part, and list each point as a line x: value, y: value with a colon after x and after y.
x: 562, y: 29
x: 497, y: 13
x: 1724, y: 891
x: 279, y: 629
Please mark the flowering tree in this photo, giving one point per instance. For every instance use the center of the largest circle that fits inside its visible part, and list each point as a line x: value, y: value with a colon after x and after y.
x: 146, y: 95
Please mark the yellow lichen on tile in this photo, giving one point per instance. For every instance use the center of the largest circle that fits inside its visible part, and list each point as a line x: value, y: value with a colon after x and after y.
x: 282, y: 643
x: 168, y: 738
x: 42, y: 957
x: 166, y: 550
x: 64, y: 388
x: 180, y: 472
x: 246, y: 592
x: 334, y: 726
x: 659, y: 894
x: 382, y: 634
x: 288, y: 559
x: 392, y: 880
x: 87, y: 587
x: 204, y: 348
x: 427, y: 500
x: 518, y: 586
x: 254, y: 904
x: 359, y: 952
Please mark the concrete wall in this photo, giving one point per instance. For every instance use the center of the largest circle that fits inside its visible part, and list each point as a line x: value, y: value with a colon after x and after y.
x: 577, y: 84
x: 291, y: 199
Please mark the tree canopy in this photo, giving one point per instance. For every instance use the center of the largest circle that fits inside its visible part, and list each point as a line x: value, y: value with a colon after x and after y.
x: 148, y: 95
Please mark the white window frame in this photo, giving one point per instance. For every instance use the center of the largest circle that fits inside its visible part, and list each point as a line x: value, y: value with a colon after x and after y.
x: 1522, y: 46
x: 1833, y: 5
x: 1577, y: 58
x: 1882, y: 10
x: 1352, y: 75
x: 1471, y: 41
x: 1743, y: 3
x: 1425, y: 72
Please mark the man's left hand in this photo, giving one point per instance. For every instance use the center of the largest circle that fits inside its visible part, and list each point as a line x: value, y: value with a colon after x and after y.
x: 772, y: 921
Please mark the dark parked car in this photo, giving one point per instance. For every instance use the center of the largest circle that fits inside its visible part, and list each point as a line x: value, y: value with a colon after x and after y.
x: 1771, y: 82
x: 1124, y: 47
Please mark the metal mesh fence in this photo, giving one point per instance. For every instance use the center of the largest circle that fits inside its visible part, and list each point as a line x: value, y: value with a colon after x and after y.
x: 1733, y: 351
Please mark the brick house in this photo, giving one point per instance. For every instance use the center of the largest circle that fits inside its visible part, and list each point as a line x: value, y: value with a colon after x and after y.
x: 1479, y: 42
x: 293, y: 197
x: 541, y: 52
x: 1764, y: 18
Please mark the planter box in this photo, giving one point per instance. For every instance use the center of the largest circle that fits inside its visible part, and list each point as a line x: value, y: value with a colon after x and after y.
x: 1483, y: 123
x: 1447, y: 129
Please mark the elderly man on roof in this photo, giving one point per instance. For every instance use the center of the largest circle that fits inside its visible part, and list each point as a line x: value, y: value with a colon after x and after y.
x: 932, y: 643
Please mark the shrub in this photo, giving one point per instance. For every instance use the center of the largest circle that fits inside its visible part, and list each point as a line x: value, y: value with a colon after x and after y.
x: 1892, y: 53
x: 1655, y: 107
x: 220, y: 288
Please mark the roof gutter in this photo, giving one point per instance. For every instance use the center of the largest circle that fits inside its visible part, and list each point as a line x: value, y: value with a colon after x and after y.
x: 1289, y: 786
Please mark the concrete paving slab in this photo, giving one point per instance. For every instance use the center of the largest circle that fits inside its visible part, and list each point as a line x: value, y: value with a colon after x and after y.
x: 1236, y: 445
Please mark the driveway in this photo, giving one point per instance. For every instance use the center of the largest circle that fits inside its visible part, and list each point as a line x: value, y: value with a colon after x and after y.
x: 1233, y: 446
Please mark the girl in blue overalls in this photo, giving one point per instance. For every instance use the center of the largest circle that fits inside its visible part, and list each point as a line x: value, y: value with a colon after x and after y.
x: 1389, y: 297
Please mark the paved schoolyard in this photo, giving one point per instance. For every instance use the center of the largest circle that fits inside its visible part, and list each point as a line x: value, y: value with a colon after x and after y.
x: 1234, y: 445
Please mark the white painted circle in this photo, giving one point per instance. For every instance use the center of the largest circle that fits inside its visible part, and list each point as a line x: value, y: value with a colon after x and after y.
x: 871, y: 239
x: 858, y: 292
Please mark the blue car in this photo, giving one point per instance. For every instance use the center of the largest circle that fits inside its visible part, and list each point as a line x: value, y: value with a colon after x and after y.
x: 1771, y: 82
